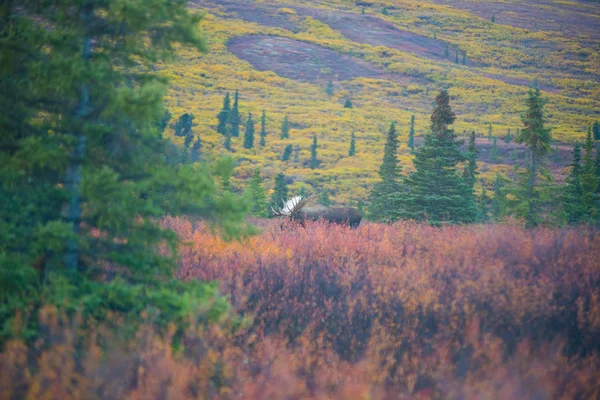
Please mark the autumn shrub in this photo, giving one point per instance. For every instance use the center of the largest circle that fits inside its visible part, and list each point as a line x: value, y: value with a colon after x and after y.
x: 381, y: 312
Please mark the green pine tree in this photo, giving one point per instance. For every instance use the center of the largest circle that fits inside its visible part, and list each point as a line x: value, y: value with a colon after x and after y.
x: 508, y: 137
x: 280, y: 191
x: 385, y: 11
x: 484, y: 205
x: 493, y: 19
x: 499, y: 200
x: 196, y: 149
x: 314, y: 162
x: 263, y: 129
x: 227, y: 141
x: 411, y: 134
x: 537, y: 138
x: 223, y: 116
x: 589, y: 179
x: 184, y: 124
x: 297, y: 154
x: 188, y: 139
x: 494, y: 152
x: 447, y: 52
x: 287, y: 153
x: 456, y: 59
x: 387, y: 194
x: 329, y: 89
x: 574, y: 202
x: 437, y: 192
x: 164, y: 122
x: 352, y: 150
x: 258, y: 195
x: 249, y: 133
x: 285, y: 128
x: 490, y: 131
x: 324, y: 198
x: 82, y: 188
x: 233, y: 119
x: 470, y: 172
x: 348, y: 103
x: 464, y: 60
x: 596, y: 130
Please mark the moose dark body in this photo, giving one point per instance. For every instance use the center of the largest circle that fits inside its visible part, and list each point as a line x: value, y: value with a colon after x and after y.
x: 336, y: 215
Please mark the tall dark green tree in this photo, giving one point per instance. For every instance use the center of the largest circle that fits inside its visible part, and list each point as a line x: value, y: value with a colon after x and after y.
x: 464, y: 60
x: 164, y: 122
x: 348, y: 103
x: 263, y: 129
x: 470, y: 173
x: 411, y: 134
x: 258, y: 195
x: 499, y: 200
x: 437, y: 192
x: 81, y: 188
x: 314, y: 162
x: 589, y: 179
x: 285, y: 128
x: 329, y: 89
x: 297, y: 153
x: 387, y: 194
x: 280, y: 191
x: 287, y: 152
x: 484, y: 206
x: 494, y: 151
x: 447, y: 52
x: 184, y: 124
x: 596, y: 130
x: 324, y: 198
x: 224, y: 115
x: 538, y: 139
x: 573, y: 201
x: 352, y: 149
x: 490, y: 131
x: 456, y: 60
x: 249, y: 133
x: 233, y: 119
x: 195, y: 154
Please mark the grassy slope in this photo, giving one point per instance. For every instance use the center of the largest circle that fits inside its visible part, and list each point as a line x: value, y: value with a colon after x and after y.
x: 490, y: 89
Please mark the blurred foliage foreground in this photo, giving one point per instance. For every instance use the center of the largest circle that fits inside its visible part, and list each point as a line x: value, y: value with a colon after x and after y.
x: 385, y: 311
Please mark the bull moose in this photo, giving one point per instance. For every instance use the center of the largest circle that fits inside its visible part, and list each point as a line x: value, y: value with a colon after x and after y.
x: 296, y: 210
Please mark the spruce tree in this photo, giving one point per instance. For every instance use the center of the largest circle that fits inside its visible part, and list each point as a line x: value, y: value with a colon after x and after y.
x: 233, y: 119
x: 447, y: 52
x: 164, y: 122
x: 227, y: 141
x: 589, y: 179
x: 259, y: 198
x: 537, y: 138
x: 196, y: 149
x: 314, y: 163
x: 287, y: 153
x: 470, y: 171
x: 499, y: 200
x: 456, y: 60
x: 484, y: 202
x: 352, y: 150
x: 188, y: 139
x: 494, y: 151
x: 464, y: 60
x: 224, y: 115
x: 596, y: 130
x: 249, y: 133
x: 285, y: 128
x: 387, y: 194
x: 508, y: 137
x: 348, y: 103
x: 280, y: 191
x: 263, y: 129
x: 184, y: 124
x: 437, y: 192
x: 81, y: 188
x: 329, y: 88
x: 324, y: 198
x: 490, y: 130
x: 574, y: 203
x: 297, y: 154
x: 411, y: 134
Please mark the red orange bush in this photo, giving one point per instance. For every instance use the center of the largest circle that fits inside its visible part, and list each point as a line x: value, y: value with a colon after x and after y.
x: 380, y: 312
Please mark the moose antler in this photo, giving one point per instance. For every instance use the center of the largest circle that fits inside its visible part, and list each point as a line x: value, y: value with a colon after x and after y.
x: 290, y: 207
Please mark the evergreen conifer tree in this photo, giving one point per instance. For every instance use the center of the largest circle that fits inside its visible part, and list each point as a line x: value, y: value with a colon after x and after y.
x: 329, y: 88
x: 287, y: 153
x: 184, y: 124
x: 499, y: 200
x: 447, y: 52
x: 464, y: 60
x: 456, y: 60
x: 227, y: 141
x: 249, y: 133
x: 196, y: 149
x: 233, y: 119
x: 314, y: 162
x: 387, y: 194
x: 188, y: 139
x: 574, y: 203
x: 437, y: 193
x: 470, y: 171
x: 348, y: 103
x: 411, y: 134
x: 589, y: 179
x: 494, y: 151
x: 508, y: 137
x: 297, y: 153
x: 285, y: 128
x: 259, y: 197
x: 352, y: 150
x: 280, y: 191
x: 324, y: 198
x: 490, y: 130
x: 537, y: 138
x: 164, y: 122
x: 484, y: 202
x: 224, y: 115
x: 596, y: 130
x: 263, y: 129
x: 81, y: 189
